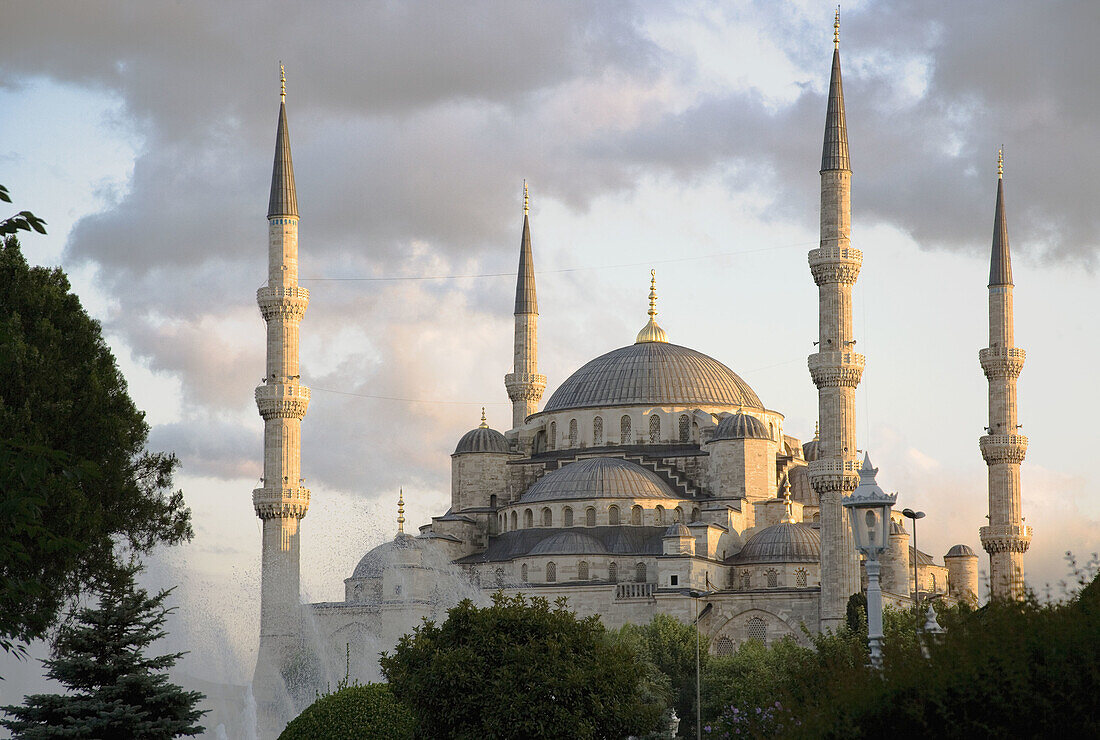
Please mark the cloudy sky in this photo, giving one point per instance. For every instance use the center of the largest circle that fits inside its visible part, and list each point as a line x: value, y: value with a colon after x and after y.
x: 680, y: 136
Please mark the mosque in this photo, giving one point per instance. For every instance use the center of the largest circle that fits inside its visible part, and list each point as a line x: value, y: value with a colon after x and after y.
x: 653, y: 480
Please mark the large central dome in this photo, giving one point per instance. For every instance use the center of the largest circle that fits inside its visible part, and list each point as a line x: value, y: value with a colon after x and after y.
x: 653, y: 373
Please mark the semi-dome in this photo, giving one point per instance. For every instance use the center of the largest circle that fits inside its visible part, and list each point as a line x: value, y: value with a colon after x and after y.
x: 740, y: 426
x: 653, y: 373
x: 789, y: 542
x: 371, y: 564
x: 598, y: 477
x: 569, y: 543
x: 960, y: 551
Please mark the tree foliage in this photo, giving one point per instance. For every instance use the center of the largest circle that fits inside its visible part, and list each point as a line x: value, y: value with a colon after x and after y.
x: 369, y: 712
x: 519, y: 669
x: 114, y: 690
x: 669, y: 646
x: 76, y: 482
x: 22, y: 221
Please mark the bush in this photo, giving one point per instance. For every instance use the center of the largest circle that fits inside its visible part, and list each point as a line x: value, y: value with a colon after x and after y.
x: 369, y: 712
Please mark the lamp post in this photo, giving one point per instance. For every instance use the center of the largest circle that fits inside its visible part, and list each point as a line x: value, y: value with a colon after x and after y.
x: 698, y: 686
x: 869, y: 512
x: 914, y: 515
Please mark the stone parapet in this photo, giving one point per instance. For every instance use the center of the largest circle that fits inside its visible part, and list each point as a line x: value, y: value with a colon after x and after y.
x: 282, y: 400
x: 280, y: 503
x: 835, y: 264
x: 1002, y: 362
x: 833, y: 475
x: 1005, y: 538
x: 1003, y: 448
x: 286, y: 303
x: 836, y: 369
x: 525, y: 386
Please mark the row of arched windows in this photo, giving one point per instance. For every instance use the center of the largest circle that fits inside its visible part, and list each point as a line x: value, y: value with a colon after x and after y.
x: 572, y: 439
x: 583, y: 572
x: 661, y: 516
x: 771, y: 578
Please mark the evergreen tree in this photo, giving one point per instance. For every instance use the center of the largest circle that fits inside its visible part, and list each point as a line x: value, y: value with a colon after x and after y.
x: 115, y: 691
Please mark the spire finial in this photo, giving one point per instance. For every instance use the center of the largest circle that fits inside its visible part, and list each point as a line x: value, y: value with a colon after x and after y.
x: 817, y: 430
x: 526, y: 199
x: 651, y: 332
x: 652, y: 292
x: 484, y: 424
x: 282, y: 81
x: 401, y: 511
x: 785, y: 489
x: 836, y: 29
x: 1001, y: 162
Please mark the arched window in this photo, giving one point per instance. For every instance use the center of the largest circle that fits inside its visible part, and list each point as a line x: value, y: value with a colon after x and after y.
x: 758, y: 630
x: 746, y: 580
x: 659, y: 515
x: 567, y: 517
x: 773, y: 578
x: 695, y: 514
x: 685, y: 428
x: 613, y: 515
x: 359, y: 592
x: 523, y: 572
x: 817, y: 516
x: 582, y: 570
x: 513, y: 518
x: 528, y: 519
x: 551, y: 572
x: 724, y: 647
x: 492, y: 501
x: 654, y: 429
x: 678, y: 516
x: 624, y: 429
x: 597, y: 431
x: 800, y: 578
x: 639, y: 572
x: 500, y: 576
x: 590, y: 517
x: 613, y: 572
x: 552, y: 442
x: 572, y: 432
x: 636, y: 516
x: 771, y: 430
x: 547, y: 517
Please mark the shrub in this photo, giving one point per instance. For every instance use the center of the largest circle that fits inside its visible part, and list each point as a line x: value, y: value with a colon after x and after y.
x: 369, y: 712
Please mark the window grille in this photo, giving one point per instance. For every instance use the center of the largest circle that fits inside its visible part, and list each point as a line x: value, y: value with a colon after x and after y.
x: 547, y: 517
x: 582, y: 570
x: 590, y: 517
x: 624, y: 428
x: 758, y: 630
x: 773, y: 578
x: 551, y: 572
x: 800, y: 578
x: 523, y: 572
x: 654, y: 429
x: 636, y: 516
x: 597, y: 431
x: 639, y: 572
x: 685, y: 428
x: 572, y: 432
x: 613, y: 515
x: 567, y: 517
x: 724, y: 647
x: 613, y: 572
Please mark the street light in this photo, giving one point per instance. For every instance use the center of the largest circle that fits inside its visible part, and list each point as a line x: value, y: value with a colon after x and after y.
x: 914, y: 515
x: 869, y: 512
x: 698, y: 686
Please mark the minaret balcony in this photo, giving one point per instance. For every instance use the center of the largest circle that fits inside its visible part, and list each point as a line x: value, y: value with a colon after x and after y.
x: 1005, y: 538
x: 836, y: 369
x: 835, y: 264
x: 833, y: 475
x: 1002, y: 362
x: 1003, y: 448
x: 280, y: 503
x: 284, y: 303
x: 282, y: 400
x: 525, y: 386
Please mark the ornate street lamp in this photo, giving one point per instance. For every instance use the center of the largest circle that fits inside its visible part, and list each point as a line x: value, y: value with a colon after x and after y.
x: 869, y: 512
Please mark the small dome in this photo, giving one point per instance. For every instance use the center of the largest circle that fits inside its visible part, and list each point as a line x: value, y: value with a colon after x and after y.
x: 678, y: 530
x: 740, y: 426
x: 790, y: 542
x: 960, y: 551
x: 598, y: 477
x: 569, y: 543
x: 811, y: 450
x: 897, y: 528
x: 482, y: 439
x: 371, y: 564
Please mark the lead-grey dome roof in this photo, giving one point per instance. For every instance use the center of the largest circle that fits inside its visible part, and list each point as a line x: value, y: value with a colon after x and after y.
x: 482, y: 439
x: 959, y: 551
x: 740, y: 426
x: 789, y: 542
x: 569, y: 543
x: 597, y: 477
x: 678, y: 530
x: 653, y: 373
x: 371, y: 564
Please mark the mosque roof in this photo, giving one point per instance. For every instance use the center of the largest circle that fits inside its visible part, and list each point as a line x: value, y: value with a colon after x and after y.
x: 371, y: 564
x: 679, y: 529
x: 569, y: 542
x: 960, y: 551
x: 740, y: 426
x: 789, y: 542
x: 622, y: 540
x: 597, y: 477
x: 653, y: 372
x: 482, y: 439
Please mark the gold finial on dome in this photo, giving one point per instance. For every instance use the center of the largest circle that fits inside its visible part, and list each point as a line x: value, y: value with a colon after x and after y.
x: 817, y: 430
x: 282, y: 81
x: 836, y: 29
x: 526, y: 199
x: 401, y: 511
x: 651, y: 332
x: 788, y: 513
x: 1001, y: 163
x: 484, y: 424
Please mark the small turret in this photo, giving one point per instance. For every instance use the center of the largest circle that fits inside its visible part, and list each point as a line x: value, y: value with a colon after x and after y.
x: 962, y: 573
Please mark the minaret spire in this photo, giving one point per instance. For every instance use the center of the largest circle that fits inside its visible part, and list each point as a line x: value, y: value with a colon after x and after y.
x: 836, y: 368
x: 1006, y: 538
x: 651, y: 332
x: 282, y: 402
x: 525, y: 385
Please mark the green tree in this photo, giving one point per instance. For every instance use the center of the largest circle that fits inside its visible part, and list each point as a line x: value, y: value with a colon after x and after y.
x: 669, y: 645
x: 519, y: 669
x: 22, y: 221
x: 77, y: 486
x: 368, y: 712
x: 115, y: 691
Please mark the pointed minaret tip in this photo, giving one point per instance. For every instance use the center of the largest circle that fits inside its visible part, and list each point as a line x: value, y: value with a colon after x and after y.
x: 484, y: 424
x: 1000, y: 260
x: 526, y: 199
x: 282, y: 82
x: 834, y: 153
x: 401, y: 511
x: 1001, y: 163
x: 284, y: 197
x: 836, y: 29
x: 651, y: 332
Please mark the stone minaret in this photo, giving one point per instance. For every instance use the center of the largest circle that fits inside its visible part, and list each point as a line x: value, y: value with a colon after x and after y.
x: 524, y: 384
x: 836, y: 369
x: 282, y: 401
x: 1006, y: 538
